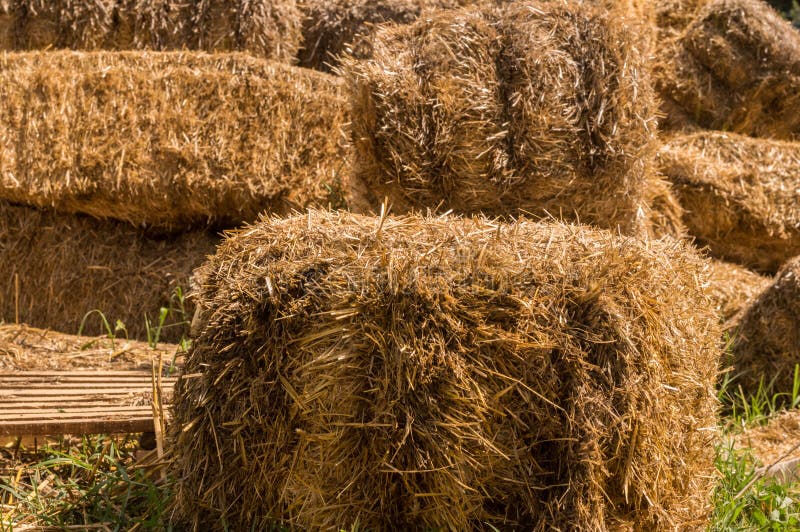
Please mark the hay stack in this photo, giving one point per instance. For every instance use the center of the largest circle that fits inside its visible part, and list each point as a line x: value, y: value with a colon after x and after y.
x: 736, y: 68
x: 739, y: 194
x: 67, y: 266
x: 167, y: 140
x: 544, y: 109
x: 766, y: 335
x: 24, y: 348
x: 265, y: 28
x: 733, y: 287
x: 425, y: 373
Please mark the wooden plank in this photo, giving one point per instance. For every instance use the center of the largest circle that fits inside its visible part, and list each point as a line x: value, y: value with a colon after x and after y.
x: 89, y: 425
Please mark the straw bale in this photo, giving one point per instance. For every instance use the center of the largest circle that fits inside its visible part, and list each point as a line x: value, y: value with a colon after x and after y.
x: 41, y: 24
x: 167, y: 140
x: 774, y: 441
x: 732, y: 287
x: 442, y: 373
x: 766, y: 335
x: 25, y: 348
x: 88, y: 24
x: 664, y: 213
x: 739, y: 194
x: 9, y: 17
x: 330, y: 27
x: 67, y: 266
x: 152, y: 25
x: 545, y: 109
x: 736, y: 68
x: 266, y: 28
x: 672, y: 17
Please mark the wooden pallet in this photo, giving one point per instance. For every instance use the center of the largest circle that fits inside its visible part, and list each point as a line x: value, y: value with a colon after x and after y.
x: 80, y: 402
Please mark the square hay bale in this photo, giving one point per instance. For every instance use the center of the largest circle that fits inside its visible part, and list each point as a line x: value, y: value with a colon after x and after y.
x: 56, y: 269
x: 41, y: 24
x: 766, y: 334
x: 732, y: 287
x: 25, y: 348
x: 152, y: 25
x: 540, y: 108
x: 443, y: 373
x: 736, y: 68
x: 330, y: 27
x: 168, y: 140
x: 739, y: 195
x: 266, y: 28
x: 88, y: 24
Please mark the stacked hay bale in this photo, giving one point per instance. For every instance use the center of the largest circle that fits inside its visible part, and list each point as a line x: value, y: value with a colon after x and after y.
x: 544, y: 109
x: 732, y: 287
x: 267, y: 28
x: 739, y: 195
x: 736, y: 68
x: 151, y: 144
x: 167, y: 140
x: 766, y: 335
x: 8, y: 24
x: 430, y: 373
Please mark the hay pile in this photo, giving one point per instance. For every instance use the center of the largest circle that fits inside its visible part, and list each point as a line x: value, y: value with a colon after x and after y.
x: 739, y: 194
x: 67, y: 266
x: 766, y: 335
x: 24, y: 348
x: 541, y: 108
x: 418, y: 373
x: 736, y: 68
x: 167, y: 140
x: 732, y: 287
x: 775, y: 441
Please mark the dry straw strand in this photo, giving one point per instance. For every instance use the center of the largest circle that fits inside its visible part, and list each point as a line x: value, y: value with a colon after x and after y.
x: 545, y: 109
x: 168, y: 140
x: 739, y: 195
x: 418, y: 373
x: 69, y: 266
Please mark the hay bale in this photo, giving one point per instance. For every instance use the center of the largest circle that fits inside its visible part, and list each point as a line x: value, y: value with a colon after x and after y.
x: 88, y: 24
x: 25, y: 348
x: 664, y: 213
x: 739, y: 195
x: 330, y: 27
x: 543, y: 109
x: 9, y: 17
x: 67, y: 266
x: 425, y: 373
x: 265, y: 28
x: 736, y: 68
x: 41, y: 24
x: 766, y: 335
x: 167, y: 140
x: 672, y: 17
x: 733, y: 287
x: 152, y: 25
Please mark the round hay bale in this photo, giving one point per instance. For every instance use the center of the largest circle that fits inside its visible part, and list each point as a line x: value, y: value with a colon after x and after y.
x: 739, y: 195
x: 9, y: 19
x: 732, y: 287
x: 766, y: 335
x: 58, y: 268
x: 541, y: 109
x: 265, y: 28
x: 168, y: 141
x: 736, y: 68
x: 444, y: 373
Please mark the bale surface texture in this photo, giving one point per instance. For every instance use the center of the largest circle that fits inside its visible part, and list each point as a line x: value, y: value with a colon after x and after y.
x: 736, y: 68
x: 167, y: 140
x: 542, y: 108
x: 440, y: 373
x: 766, y: 336
x: 269, y: 29
x: 732, y: 287
x: 740, y: 195
x: 67, y: 266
